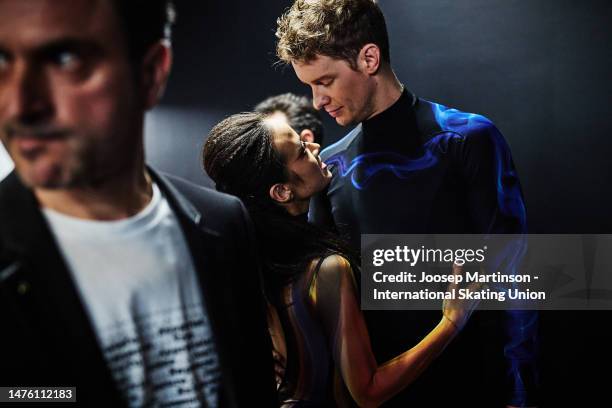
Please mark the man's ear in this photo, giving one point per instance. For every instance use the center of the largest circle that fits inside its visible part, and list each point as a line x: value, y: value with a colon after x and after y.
x: 156, y: 67
x: 281, y: 193
x: 306, y: 135
x: 369, y: 58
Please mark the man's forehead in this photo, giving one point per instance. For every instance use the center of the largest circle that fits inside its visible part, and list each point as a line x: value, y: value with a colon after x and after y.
x: 318, y: 62
x: 38, y: 21
x: 317, y: 67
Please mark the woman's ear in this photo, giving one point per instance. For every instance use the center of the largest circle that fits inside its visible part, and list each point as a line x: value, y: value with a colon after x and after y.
x: 281, y: 193
x: 307, y: 136
x: 156, y: 67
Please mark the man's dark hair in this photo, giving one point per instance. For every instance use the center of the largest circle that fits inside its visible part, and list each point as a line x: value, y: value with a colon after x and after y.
x: 145, y: 22
x: 299, y: 110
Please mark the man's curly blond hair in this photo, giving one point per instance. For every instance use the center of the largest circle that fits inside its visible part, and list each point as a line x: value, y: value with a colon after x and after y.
x: 334, y: 28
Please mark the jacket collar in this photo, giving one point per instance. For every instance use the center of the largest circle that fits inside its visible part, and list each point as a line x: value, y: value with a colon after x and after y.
x: 177, y: 201
x: 18, y: 204
x: 206, y: 253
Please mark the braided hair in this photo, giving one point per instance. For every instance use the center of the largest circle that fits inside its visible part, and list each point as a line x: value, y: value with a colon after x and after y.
x: 240, y: 158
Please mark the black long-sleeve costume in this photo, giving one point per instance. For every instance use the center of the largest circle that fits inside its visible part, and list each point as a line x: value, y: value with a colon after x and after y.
x: 420, y: 167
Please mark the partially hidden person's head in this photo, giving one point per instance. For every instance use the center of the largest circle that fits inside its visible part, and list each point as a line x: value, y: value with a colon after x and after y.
x: 298, y: 111
x: 340, y: 48
x: 261, y: 159
x: 76, y: 77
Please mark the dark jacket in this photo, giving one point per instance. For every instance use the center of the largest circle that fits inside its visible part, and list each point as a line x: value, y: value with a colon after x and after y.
x: 47, y: 339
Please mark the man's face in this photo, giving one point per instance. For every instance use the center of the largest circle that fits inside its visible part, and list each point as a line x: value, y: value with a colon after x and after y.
x: 346, y: 94
x: 68, y: 101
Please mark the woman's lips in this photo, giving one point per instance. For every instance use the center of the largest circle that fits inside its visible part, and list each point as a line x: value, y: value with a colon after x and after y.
x: 322, y: 165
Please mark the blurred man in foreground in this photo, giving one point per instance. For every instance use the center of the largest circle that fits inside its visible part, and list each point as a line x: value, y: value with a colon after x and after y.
x: 129, y: 285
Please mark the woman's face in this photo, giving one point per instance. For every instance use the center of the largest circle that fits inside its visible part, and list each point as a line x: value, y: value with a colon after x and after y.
x: 307, y: 173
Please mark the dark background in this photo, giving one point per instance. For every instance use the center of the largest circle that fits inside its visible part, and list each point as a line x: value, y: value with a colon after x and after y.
x: 540, y: 69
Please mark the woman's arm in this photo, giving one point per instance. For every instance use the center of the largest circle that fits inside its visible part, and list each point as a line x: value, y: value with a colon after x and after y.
x: 334, y: 296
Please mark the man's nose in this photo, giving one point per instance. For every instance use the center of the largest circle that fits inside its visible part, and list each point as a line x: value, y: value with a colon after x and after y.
x: 24, y: 96
x: 319, y: 100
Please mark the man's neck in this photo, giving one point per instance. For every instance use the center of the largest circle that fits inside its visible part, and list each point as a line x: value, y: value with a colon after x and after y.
x: 117, y: 198
x: 389, y: 89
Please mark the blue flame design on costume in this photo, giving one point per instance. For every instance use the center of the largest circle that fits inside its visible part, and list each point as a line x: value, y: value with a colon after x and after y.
x: 520, y: 326
x: 509, y: 197
x: 401, y: 166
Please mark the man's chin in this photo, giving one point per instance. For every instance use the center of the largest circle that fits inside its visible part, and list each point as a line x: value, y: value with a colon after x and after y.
x: 41, y: 176
x: 344, y: 121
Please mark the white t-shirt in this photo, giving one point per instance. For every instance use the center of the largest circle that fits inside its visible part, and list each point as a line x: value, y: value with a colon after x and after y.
x: 6, y: 164
x: 137, y: 280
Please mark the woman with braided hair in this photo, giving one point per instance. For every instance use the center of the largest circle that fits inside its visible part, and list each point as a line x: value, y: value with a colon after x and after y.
x: 309, y: 274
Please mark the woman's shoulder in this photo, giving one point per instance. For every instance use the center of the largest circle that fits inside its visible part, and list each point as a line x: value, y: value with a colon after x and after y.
x: 330, y: 263
x: 335, y: 263
x: 332, y: 281
x: 331, y: 270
